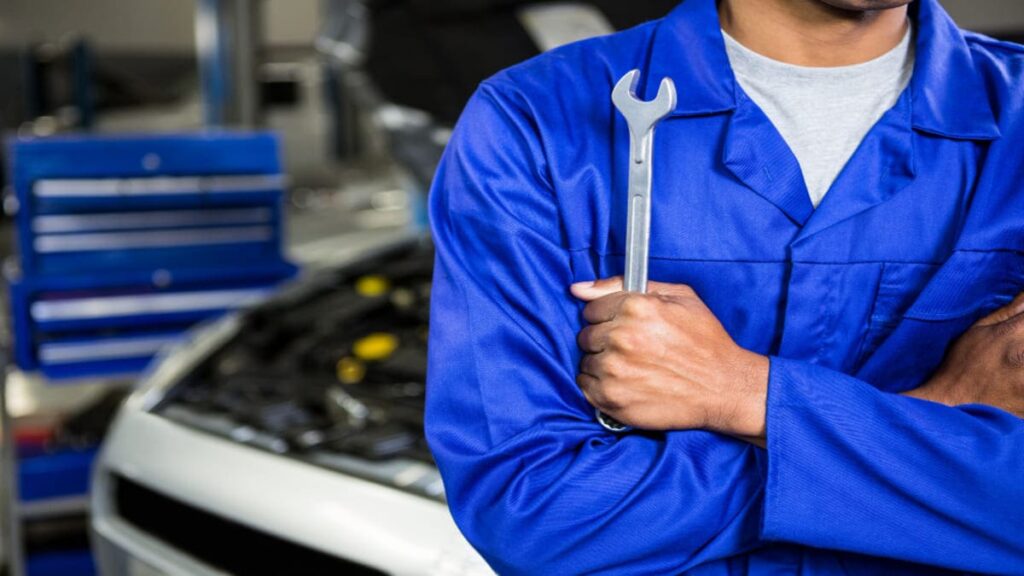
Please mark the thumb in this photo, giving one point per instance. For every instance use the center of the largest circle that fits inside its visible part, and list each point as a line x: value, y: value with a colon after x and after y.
x: 590, y: 291
x: 1011, y: 310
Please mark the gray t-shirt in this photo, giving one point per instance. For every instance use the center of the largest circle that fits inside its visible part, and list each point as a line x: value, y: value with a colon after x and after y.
x: 823, y: 113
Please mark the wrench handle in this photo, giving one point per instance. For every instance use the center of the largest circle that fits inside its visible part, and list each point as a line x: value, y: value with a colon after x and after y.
x: 638, y: 225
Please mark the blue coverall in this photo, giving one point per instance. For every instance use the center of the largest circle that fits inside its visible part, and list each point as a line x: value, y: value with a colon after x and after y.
x: 920, y: 236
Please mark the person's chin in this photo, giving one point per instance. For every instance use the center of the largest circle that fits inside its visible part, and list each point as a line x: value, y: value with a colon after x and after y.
x: 864, y: 5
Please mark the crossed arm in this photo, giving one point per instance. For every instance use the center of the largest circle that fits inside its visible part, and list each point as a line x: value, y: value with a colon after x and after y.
x: 662, y: 361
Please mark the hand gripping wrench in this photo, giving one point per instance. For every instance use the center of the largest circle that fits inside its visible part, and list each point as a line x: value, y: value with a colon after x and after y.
x: 641, y: 117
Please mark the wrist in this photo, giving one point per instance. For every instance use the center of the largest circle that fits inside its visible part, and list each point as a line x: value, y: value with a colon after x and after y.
x: 939, y: 390
x: 749, y: 403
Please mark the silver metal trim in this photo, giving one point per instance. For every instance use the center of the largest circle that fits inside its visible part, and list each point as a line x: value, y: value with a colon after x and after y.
x: 106, y: 307
x: 160, y: 239
x: 158, y: 219
x: 67, y: 352
x: 53, y: 507
x: 162, y: 185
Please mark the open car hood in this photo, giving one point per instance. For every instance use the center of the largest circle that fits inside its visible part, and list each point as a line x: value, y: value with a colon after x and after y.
x: 332, y: 372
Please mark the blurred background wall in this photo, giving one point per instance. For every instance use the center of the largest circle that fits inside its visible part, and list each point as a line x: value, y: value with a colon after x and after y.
x: 988, y: 15
x: 166, y: 25
x: 145, y: 62
x: 141, y: 25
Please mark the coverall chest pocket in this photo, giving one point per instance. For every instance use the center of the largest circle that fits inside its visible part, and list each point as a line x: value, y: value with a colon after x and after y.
x: 921, y: 308
x: 899, y: 285
x: 969, y: 284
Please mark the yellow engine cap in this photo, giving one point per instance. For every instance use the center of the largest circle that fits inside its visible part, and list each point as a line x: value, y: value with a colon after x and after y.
x: 372, y: 286
x: 350, y: 370
x: 375, y: 347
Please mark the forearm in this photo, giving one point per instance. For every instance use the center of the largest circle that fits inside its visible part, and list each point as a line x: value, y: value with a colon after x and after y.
x: 856, y: 469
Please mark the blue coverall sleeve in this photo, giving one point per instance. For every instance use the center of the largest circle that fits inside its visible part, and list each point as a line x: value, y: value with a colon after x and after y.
x: 855, y: 469
x: 532, y: 481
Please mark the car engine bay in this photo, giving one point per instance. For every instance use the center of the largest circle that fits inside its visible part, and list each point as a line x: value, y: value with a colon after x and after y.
x: 332, y: 373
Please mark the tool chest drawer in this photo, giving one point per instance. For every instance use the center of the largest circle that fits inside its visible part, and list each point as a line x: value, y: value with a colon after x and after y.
x: 134, y: 240
x: 87, y: 204
x: 74, y: 326
x: 125, y: 242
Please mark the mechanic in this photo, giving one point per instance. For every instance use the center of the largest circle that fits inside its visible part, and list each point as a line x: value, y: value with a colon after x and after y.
x: 836, y: 239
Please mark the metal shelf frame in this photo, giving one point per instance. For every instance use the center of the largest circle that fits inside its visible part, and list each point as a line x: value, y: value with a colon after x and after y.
x: 14, y: 553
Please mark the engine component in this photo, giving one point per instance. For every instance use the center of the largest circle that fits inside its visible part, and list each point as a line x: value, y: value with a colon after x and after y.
x: 339, y: 369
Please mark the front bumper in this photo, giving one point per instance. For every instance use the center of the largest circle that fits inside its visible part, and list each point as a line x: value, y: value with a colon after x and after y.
x: 346, y: 517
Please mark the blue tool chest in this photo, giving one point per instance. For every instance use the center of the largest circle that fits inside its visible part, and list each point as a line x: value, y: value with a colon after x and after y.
x: 124, y: 242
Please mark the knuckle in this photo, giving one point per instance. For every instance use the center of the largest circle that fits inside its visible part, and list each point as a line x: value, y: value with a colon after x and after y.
x: 628, y: 306
x: 678, y: 294
x: 634, y: 306
x: 621, y: 340
x: 609, y: 366
x: 615, y: 367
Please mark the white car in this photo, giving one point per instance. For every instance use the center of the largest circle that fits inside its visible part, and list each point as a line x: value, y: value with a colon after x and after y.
x: 286, y: 439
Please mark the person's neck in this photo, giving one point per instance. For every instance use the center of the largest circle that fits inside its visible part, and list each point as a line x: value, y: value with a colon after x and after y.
x: 812, y: 33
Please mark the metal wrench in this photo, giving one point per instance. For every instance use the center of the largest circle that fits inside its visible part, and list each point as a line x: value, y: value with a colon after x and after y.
x: 641, y: 117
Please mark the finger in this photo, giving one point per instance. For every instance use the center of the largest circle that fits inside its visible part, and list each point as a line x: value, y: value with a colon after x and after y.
x: 1008, y: 312
x: 590, y: 291
x: 591, y: 388
x: 588, y: 385
x: 590, y: 365
x: 604, y: 309
x: 594, y: 338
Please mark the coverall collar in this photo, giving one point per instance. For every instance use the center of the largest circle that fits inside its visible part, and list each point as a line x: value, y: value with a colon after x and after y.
x: 948, y: 94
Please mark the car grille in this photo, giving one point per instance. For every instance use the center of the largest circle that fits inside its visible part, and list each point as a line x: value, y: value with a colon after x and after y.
x: 221, y: 543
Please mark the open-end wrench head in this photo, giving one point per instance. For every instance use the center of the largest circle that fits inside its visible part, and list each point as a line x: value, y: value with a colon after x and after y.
x: 642, y: 113
x: 642, y: 116
x: 625, y: 89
